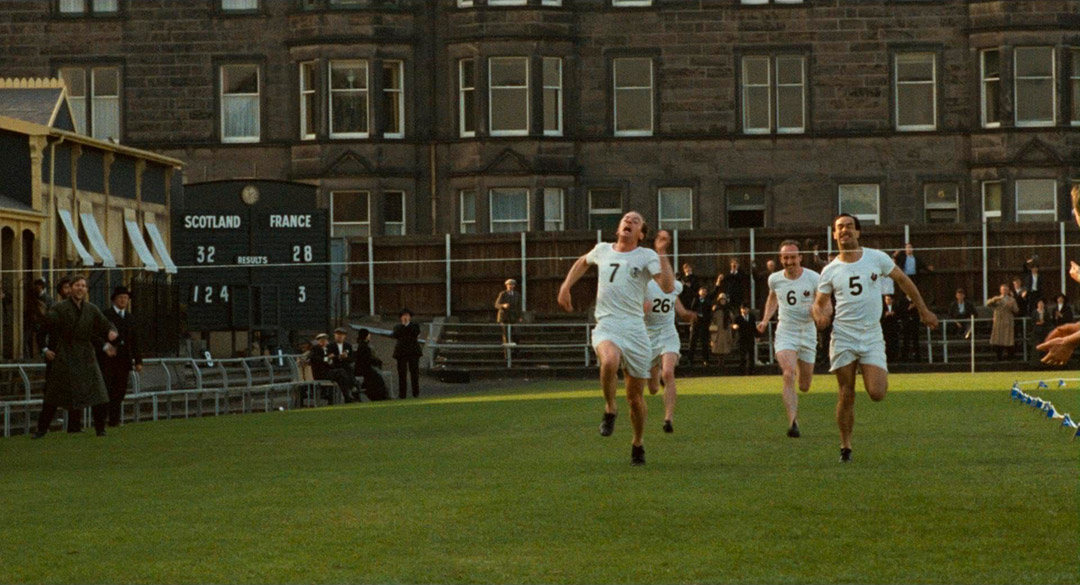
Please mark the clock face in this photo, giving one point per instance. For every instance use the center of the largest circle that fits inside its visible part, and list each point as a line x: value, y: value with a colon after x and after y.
x: 249, y: 195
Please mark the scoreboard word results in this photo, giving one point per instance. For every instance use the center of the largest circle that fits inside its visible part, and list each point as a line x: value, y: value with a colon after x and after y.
x: 252, y: 255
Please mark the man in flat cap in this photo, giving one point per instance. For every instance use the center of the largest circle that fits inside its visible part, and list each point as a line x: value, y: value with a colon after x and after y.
x: 116, y: 365
x: 340, y: 354
x: 407, y: 352
x: 508, y: 304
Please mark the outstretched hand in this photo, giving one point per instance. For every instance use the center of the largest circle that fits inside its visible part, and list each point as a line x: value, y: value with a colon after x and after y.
x: 565, y: 301
x: 929, y: 319
x: 663, y: 240
x: 1058, y: 351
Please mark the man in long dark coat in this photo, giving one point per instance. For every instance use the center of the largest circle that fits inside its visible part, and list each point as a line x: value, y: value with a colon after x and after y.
x: 116, y: 369
x: 407, y: 352
x: 74, y: 380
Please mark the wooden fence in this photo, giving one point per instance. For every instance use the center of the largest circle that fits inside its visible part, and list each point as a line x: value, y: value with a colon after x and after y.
x: 461, y: 275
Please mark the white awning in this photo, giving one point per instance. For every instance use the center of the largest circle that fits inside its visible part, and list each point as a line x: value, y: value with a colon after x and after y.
x: 97, y: 241
x: 135, y: 235
x: 159, y: 247
x: 73, y: 235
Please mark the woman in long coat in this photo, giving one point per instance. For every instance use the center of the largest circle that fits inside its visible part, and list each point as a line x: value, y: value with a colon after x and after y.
x: 1005, y: 308
x: 74, y: 381
x: 720, y: 329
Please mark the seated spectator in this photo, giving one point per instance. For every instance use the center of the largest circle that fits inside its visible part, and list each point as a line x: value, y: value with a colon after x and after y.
x: 340, y: 357
x: 960, y: 310
x: 320, y: 360
x: 366, y: 363
x: 1061, y: 313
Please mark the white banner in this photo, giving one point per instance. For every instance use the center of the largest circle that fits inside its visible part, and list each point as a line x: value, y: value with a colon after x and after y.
x: 135, y: 235
x: 73, y: 235
x: 159, y: 247
x: 97, y: 241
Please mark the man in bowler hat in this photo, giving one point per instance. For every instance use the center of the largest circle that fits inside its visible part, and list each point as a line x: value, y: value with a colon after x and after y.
x: 407, y: 352
x: 116, y: 365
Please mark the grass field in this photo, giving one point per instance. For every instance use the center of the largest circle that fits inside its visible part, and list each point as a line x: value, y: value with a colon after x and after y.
x: 952, y: 483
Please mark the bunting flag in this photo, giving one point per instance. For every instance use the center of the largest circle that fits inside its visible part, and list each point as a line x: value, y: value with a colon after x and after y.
x: 1066, y: 421
x: 1061, y: 383
x: 1042, y: 384
x: 1015, y: 393
x: 1050, y: 413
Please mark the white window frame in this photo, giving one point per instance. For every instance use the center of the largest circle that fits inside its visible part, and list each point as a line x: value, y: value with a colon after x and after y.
x: 747, y: 86
x: 660, y: 209
x: 617, y: 90
x: 491, y: 98
x: 764, y: 2
x: 307, y: 99
x: 507, y: 2
x: 555, y: 225
x: 630, y: 3
x: 387, y: 223
x: 462, y: 222
x: 874, y: 217
x: 88, y: 6
x: 551, y: 2
x: 334, y: 223
x: 802, y: 90
x: 604, y: 210
x: 915, y: 58
x: 1074, y: 86
x: 1019, y: 184
x: 397, y: 95
x: 558, y: 90
x: 984, y: 82
x: 953, y: 206
x: 492, y: 222
x: 464, y: 90
x: 986, y: 215
x: 366, y: 91
x: 98, y: 103
x: 465, y: 3
x: 1053, y: 89
x: 258, y: 104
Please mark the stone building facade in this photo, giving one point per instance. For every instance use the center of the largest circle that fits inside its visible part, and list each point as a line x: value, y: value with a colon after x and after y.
x: 459, y: 116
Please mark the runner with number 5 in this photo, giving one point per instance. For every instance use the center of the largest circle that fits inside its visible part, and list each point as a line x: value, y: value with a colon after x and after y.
x: 855, y: 278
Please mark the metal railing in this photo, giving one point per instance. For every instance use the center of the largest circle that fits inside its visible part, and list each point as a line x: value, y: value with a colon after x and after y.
x: 234, y: 385
x: 511, y: 346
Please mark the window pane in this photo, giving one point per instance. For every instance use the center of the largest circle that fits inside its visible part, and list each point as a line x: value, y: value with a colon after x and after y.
x: 509, y: 210
x: 241, y: 116
x: 71, y: 6
x: 1035, y: 195
x: 789, y: 107
x: 633, y: 73
x: 509, y: 110
x: 1034, y: 62
x: 789, y: 70
x: 307, y: 99
x: 240, y: 79
x: 75, y: 81
x: 348, y: 97
x: 1034, y: 100
x: 553, y: 209
x: 106, y: 82
x: 941, y: 201
x: 859, y: 200
x: 394, y: 206
x: 916, y: 107
x: 914, y: 69
x: 606, y: 199
x: 552, y: 72
x: 509, y: 72
x: 239, y: 4
x: 991, y: 106
x: 394, y: 97
x: 605, y: 222
x: 991, y: 64
x: 633, y: 110
x: 350, y: 113
x: 106, y: 118
x: 757, y: 107
x: 756, y: 70
x: 551, y: 110
x: 350, y: 206
x: 676, y: 208
x: 348, y: 75
x: 105, y: 6
x: 746, y: 197
x: 468, y: 211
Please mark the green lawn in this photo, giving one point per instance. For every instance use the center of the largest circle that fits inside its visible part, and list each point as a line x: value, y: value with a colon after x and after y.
x: 952, y: 483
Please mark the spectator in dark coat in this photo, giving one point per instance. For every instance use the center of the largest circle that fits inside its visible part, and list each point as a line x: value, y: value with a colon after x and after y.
x: 690, y: 284
x: 116, y: 368
x: 1020, y: 296
x: 340, y: 357
x: 736, y: 284
x: 508, y: 304
x: 366, y: 363
x: 890, y: 328
x: 74, y: 380
x: 744, y: 327
x: 960, y: 309
x: 1060, y: 312
x: 1041, y: 324
x: 407, y: 352
x: 912, y: 266
x: 1033, y: 282
x: 702, y: 306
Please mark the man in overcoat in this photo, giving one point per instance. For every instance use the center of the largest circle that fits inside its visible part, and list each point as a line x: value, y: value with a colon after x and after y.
x: 74, y: 380
x: 116, y: 368
x: 407, y: 352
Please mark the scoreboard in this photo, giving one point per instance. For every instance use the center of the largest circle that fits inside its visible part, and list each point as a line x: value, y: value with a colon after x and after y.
x: 252, y: 255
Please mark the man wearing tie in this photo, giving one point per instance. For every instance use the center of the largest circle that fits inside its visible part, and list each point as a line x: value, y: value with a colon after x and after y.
x: 407, y: 352
x: 116, y: 364
x: 340, y: 356
x: 961, y: 310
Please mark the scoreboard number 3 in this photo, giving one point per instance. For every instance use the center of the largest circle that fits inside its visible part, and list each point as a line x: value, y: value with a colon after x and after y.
x: 301, y: 294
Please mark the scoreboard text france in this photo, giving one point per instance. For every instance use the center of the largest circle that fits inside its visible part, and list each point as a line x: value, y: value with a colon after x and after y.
x: 253, y: 255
